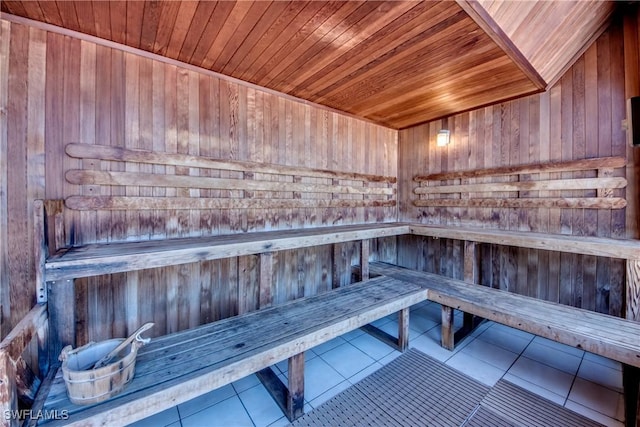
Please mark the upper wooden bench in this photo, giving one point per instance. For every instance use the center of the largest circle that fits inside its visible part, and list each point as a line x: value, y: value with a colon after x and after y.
x: 106, y: 258
x: 175, y: 368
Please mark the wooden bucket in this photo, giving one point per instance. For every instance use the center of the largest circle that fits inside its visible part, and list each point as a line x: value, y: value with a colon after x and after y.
x: 87, y: 386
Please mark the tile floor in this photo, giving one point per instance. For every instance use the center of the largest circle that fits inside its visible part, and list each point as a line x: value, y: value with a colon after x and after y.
x: 582, y: 382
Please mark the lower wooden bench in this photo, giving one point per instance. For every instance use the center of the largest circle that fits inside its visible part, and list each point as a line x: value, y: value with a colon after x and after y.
x: 608, y: 336
x: 175, y: 368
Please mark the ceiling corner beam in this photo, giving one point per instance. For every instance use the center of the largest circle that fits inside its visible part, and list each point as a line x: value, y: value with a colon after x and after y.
x: 486, y: 22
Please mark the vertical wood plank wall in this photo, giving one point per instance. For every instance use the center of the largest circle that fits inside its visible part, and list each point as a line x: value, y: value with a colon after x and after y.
x: 56, y: 89
x: 579, y: 117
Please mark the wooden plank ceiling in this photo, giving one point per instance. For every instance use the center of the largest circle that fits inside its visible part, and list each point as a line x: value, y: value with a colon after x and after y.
x: 398, y: 63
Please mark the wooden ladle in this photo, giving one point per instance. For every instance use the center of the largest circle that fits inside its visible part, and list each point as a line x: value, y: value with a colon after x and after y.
x: 113, y: 353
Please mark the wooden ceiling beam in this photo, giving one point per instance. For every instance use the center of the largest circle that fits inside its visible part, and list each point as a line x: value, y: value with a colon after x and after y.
x: 499, y: 37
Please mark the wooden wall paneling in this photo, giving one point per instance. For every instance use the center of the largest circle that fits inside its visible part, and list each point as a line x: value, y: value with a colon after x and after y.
x: 206, y: 272
x: 223, y: 290
x: 117, y: 127
x: 295, y: 146
x: 195, y: 223
x: 518, y: 257
x: 35, y: 128
x: 214, y: 113
x: 158, y: 141
x: 405, y: 195
x: 579, y: 151
x: 566, y: 148
x: 506, y: 261
x: 99, y: 95
x: 145, y: 139
x: 435, y: 159
x: 248, y: 289
x: 369, y: 163
x: 318, y: 142
x: 88, y: 90
x: 618, y: 142
x: 472, y: 153
x: 132, y: 218
x: 325, y: 263
x: 531, y: 148
x: 566, y: 122
x: 591, y: 151
x: 420, y: 138
x: 182, y: 142
x: 234, y: 287
x: 17, y: 186
x: 246, y: 108
x: 70, y: 124
x: 147, y: 278
x: 269, y: 147
x: 553, y: 290
x: 229, y: 133
x: 5, y: 288
x: 255, y: 126
x: 287, y: 283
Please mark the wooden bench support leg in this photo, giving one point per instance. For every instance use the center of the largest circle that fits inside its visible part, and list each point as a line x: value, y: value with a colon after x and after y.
x: 295, y: 397
x: 470, y: 322
x: 447, y: 339
x: 402, y: 342
x: 403, y: 329
x: 467, y: 323
x: 364, y: 260
x: 631, y: 384
x: 290, y: 399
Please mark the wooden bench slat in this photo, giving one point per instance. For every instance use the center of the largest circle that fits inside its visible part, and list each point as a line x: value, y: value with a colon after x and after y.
x: 292, y: 328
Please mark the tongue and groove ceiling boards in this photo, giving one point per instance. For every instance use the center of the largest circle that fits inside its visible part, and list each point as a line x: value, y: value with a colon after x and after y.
x: 398, y: 63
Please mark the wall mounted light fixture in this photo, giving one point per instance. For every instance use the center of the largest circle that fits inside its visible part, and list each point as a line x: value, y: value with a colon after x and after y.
x: 443, y: 138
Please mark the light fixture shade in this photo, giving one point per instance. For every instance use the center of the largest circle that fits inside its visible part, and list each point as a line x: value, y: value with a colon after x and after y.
x: 443, y: 138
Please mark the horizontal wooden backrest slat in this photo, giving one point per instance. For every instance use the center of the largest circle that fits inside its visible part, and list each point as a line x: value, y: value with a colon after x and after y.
x: 103, y: 152
x: 570, y: 166
x: 547, y: 185
x: 95, y: 177
x: 541, y: 202
x: 177, y: 203
x: 534, y: 188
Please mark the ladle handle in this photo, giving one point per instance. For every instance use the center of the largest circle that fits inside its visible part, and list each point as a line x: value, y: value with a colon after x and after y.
x: 113, y: 353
